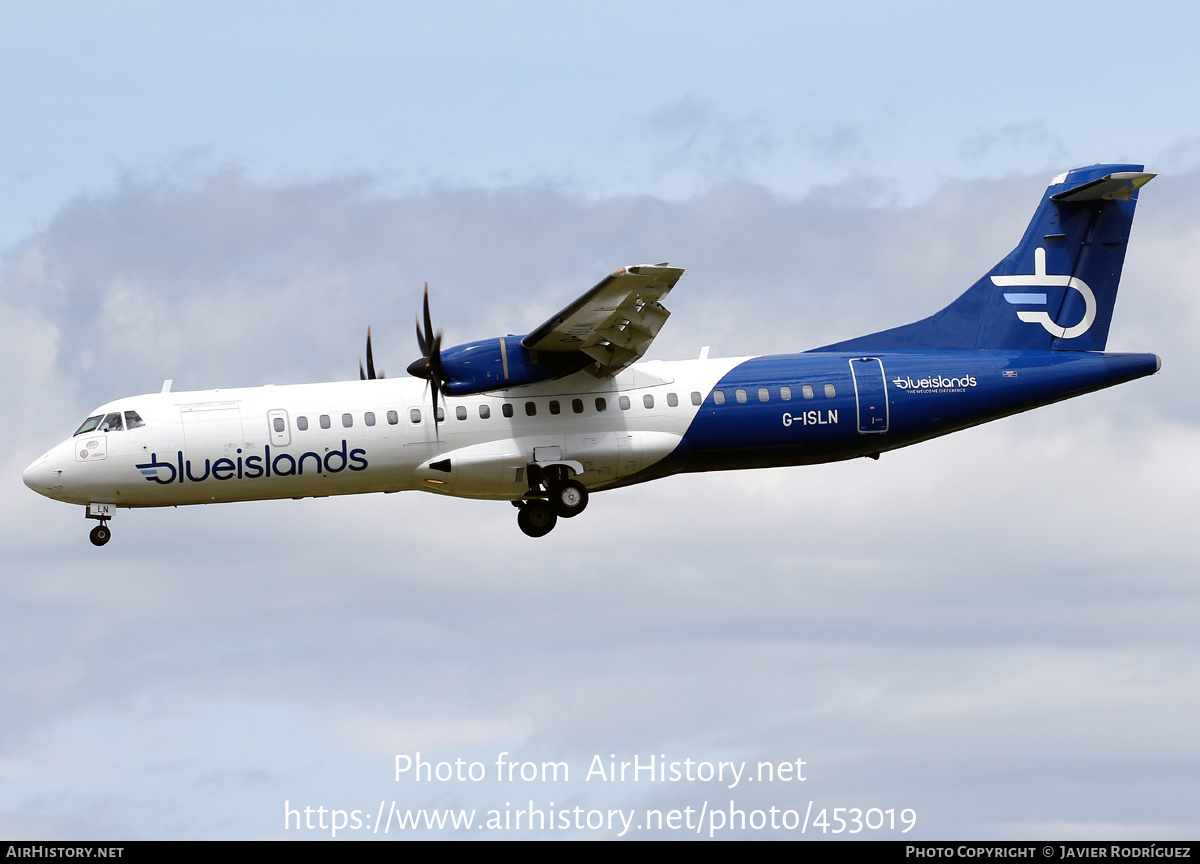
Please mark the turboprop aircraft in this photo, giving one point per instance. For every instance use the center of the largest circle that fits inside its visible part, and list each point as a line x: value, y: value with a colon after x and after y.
x: 545, y: 419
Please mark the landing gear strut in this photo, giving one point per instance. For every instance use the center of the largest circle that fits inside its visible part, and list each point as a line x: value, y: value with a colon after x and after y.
x: 102, y: 512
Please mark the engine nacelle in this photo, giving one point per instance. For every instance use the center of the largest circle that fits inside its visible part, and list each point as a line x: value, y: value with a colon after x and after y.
x: 493, y: 364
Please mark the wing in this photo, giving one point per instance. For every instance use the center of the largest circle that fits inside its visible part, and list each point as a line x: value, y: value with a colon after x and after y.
x: 615, y: 322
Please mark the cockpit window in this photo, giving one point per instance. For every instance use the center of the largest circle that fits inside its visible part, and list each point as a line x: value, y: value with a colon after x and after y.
x: 89, y: 424
x: 110, y: 423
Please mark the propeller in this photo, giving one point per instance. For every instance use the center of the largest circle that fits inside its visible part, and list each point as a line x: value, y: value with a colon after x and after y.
x: 369, y: 374
x: 430, y: 366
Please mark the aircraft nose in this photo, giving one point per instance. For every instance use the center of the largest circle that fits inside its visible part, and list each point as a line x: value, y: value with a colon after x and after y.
x: 42, y: 476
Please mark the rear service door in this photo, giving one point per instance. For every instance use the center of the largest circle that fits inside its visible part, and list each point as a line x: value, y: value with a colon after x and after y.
x: 870, y: 392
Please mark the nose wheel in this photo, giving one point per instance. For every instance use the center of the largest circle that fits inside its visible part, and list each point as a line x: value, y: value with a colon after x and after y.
x: 101, y: 512
x: 100, y: 535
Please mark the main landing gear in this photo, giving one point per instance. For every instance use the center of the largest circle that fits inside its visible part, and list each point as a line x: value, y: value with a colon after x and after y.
x: 552, y: 494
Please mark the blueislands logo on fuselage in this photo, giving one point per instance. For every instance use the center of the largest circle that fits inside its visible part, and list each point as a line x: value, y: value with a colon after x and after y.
x: 935, y: 384
x: 253, y: 467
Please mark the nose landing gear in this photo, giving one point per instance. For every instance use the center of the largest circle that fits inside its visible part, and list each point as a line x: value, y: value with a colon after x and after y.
x: 101, y: 534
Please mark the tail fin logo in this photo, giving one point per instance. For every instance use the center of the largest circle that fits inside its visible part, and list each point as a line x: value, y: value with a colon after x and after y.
x: 1040, y: 279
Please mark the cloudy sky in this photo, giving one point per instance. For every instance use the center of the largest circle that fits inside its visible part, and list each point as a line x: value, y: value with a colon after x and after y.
x: 995, y: 630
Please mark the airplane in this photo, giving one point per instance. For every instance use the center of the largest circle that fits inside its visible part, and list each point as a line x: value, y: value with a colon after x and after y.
x: 546, y: 419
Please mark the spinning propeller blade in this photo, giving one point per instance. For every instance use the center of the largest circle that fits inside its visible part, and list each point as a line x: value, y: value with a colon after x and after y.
x: 369, y: 374
x: 429, y: 366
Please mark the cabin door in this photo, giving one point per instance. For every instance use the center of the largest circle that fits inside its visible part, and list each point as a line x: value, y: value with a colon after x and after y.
x: 870, y: 392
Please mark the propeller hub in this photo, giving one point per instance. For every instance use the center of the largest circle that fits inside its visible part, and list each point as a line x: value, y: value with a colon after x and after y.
x: 420, y: 368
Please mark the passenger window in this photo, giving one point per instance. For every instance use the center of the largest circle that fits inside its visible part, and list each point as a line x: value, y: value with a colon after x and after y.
x: 577, y: 406
x: 672, y: 400
x: 741, y: 395
x: 807, y: 391
x: 324, y: 421
x: 347, y: 421
x: 555, y: 408
x: 133, y: 421
x: 278, y: 424
x: 763, y: 395
x: 648, y: 400
x: 624, y: 403
x: 461, y: 412
x: 601, y: 405
x: 785, y: 393
x: 719, y: 397
x: 302, y: 423
x: 393, y: 418
x: 530, y: 409
x: 829, y: 391
x: 697, y: 399
x: 484, y: 412
x: 89, y: 424
x: 415, y: 415
x: 111, y: 423
x: 441, y: 414
x: 506, y: 409
x: 369, y: 418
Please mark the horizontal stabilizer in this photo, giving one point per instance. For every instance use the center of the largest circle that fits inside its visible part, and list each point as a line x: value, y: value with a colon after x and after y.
x: 1113, y: 187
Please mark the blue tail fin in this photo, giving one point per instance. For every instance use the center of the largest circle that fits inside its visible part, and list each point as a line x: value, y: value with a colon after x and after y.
x: 1055, y: 291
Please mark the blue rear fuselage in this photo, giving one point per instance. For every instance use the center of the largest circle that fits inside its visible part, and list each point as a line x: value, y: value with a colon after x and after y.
x: 843, y: 405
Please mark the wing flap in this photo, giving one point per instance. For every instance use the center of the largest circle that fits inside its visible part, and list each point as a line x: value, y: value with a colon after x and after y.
x: 613, y: 323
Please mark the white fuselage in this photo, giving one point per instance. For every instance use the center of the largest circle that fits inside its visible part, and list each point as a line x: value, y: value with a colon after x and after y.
x: 353, y: 437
